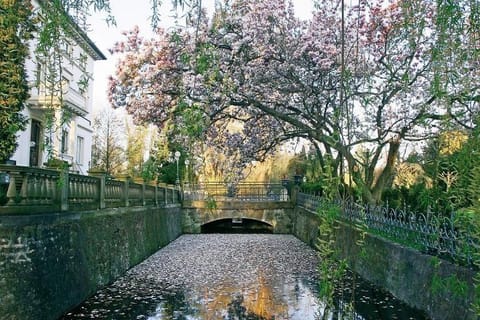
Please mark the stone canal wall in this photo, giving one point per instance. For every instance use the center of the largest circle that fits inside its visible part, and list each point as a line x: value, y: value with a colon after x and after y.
x: 50, y: 263
x: 438, y: 287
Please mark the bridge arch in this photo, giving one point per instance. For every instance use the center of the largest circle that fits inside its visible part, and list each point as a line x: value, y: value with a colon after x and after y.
x: 236, y: 225
x: 197, y: 215
x: 263, y: 206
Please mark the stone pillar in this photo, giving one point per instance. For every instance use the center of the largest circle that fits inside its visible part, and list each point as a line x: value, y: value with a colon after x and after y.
x: 102, y: 176
x: 126, y: 185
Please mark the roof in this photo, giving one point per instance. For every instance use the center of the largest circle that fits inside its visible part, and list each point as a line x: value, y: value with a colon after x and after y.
x: 82, y: 38
x: 85, y: 42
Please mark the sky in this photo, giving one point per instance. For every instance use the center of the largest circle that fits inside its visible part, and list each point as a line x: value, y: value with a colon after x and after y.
x: 127, y: 15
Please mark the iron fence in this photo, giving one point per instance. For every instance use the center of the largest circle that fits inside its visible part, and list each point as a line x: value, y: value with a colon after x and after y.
x: 239, y: 192
x: 427, y: 232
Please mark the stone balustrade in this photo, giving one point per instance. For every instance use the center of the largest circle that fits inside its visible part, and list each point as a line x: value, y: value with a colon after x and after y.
x: 26, y: 190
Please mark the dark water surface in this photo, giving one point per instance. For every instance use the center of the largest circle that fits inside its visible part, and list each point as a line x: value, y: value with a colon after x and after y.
x: 234, y: 276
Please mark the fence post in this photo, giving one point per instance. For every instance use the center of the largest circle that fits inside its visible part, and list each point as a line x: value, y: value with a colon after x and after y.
x: 143, y: 193
x: 101, y: 199
x: 102, y: 176
x: 126, y: 185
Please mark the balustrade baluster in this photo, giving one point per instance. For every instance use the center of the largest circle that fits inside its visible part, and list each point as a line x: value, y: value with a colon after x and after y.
x: 36, y: 190
x: 78, y: 190
x: 71, y: 195
x: 32, y: 189
x: 79, y: 187
x: 84, y: 183
x: 25, y: 189
x: 116, y: 193
x: 48, y: 189
x: 43, y: 189
x: 90, y: 192
x: 109, y: 191
x: 12, y: 191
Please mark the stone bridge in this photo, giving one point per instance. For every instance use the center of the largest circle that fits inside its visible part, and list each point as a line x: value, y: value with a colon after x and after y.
x: 248, y: 206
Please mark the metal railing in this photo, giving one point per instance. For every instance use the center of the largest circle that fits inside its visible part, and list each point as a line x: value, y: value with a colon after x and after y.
x: 238, y: 192
x: 427, y: 232
x: 25, y: 190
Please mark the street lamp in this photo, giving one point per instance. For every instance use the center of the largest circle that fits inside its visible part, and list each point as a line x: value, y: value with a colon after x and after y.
x: 177, y: 157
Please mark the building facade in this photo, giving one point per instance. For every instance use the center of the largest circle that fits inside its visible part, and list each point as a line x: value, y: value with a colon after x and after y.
x: 60, y: 120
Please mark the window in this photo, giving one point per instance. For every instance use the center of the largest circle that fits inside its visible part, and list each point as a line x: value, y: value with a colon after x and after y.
x: 68, y: 49
x: 64, y: 144
x: 79, y: 153
x: 35, y: 140
x: 83, y: 61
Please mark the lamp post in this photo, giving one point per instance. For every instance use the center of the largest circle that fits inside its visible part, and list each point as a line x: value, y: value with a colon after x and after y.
x: 177, y: 157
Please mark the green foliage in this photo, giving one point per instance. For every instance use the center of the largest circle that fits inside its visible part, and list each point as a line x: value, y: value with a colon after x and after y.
x: 83, y: 83
x: 474, y: 187
x: 312, y: 187
x: 448, y: 286
x: 211, y: 203
x: 467, y: 221
x: 362, y: 227
x: 57, y: 163
x: 168, y: 173
x: 450, y: 179
x: 16, y: 29
x: 418, y: 198
x: 136, y: 149
x: 331, y: 268
x: 194, y: 120
x: 58, y: 26
x: 149, y: 170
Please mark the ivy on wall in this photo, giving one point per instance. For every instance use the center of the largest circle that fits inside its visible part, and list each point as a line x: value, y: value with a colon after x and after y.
x: 16, y: 29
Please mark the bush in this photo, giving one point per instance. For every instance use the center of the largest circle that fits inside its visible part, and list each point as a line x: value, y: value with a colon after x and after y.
x: 468, y: 220
x: 312, y: 188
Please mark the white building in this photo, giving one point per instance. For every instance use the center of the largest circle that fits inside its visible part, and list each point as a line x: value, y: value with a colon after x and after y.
x: 71, y: 139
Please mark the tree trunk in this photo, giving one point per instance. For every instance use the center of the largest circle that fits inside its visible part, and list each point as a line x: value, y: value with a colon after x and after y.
x: 385, y: 178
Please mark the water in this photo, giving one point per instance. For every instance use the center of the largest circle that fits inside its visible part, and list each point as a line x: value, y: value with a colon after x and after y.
x: 234, y: 276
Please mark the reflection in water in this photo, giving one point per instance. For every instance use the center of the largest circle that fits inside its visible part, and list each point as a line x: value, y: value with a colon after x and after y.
x: 265, y: 302
x: 255, y: 277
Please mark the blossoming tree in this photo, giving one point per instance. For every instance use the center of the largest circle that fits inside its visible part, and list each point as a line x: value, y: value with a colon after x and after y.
x: 254, y: 76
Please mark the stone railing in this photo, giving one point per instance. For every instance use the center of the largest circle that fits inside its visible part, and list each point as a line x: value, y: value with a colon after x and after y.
x: 25, y: 190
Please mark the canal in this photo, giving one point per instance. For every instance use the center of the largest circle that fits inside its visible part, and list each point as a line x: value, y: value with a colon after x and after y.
x: 235, y: 276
